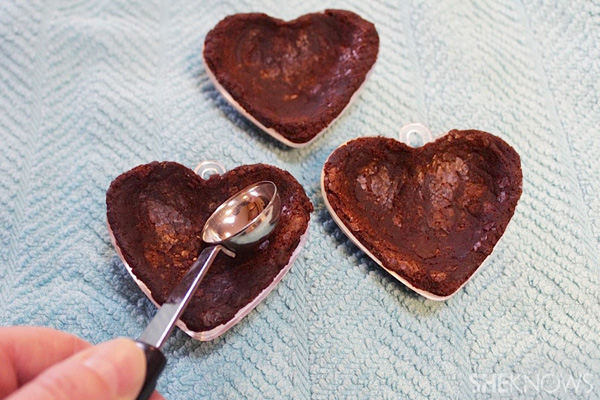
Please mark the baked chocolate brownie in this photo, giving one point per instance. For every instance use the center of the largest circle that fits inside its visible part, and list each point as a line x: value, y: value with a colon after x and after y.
x: 292, y: 77
x: 156, y: 213
x: 431, y: 214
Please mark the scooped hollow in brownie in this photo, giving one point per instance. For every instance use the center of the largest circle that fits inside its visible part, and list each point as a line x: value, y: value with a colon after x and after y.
x: 431, y: 214
x: 156, y: 213
x: 293, y: 77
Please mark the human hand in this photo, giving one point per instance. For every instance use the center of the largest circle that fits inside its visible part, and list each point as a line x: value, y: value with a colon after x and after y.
x: 42, y: 363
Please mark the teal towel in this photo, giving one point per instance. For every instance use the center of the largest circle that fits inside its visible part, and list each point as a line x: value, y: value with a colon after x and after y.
x: 90, y: 89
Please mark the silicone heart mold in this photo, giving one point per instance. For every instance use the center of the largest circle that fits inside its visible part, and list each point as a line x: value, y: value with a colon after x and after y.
x: 292, y: 79
x: 156, y: 213
x: 431, y: 215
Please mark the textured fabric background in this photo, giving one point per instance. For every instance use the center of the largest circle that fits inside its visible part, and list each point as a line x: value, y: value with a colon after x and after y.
x: 89, y: 89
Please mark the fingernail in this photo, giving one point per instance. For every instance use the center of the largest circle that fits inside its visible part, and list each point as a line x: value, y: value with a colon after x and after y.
x: 121, y: 364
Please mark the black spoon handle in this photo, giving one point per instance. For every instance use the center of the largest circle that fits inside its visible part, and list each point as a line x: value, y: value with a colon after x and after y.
x: 161, y: 326
x: 155, y: 363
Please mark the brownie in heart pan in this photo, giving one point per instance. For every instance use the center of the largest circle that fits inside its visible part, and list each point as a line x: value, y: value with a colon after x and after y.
x: 430, y: 215
x: 156, y: 213
x: 292, y: 79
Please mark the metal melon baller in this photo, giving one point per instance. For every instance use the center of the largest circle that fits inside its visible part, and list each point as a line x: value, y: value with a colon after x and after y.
x: 242, y: 222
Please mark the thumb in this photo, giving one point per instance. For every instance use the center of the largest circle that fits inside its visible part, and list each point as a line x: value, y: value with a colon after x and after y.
x: 113, y: 370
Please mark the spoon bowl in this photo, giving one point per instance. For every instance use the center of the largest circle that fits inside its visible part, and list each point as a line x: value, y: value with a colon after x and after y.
x: 245, y: 219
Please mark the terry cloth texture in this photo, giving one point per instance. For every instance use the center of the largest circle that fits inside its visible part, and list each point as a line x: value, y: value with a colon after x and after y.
x: 90, y: 89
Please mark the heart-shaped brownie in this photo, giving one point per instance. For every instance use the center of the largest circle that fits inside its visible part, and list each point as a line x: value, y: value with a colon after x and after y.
x: 156, y: 213
x: 431, y: 215
x: 292, y: 79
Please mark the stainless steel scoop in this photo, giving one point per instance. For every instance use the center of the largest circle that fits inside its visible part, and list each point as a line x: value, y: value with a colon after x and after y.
x: 242, y: 222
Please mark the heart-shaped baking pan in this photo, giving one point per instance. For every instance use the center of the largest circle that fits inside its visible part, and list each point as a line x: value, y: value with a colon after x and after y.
x: 292, y: 79
x: 430, y: 215
x: 156, y: 213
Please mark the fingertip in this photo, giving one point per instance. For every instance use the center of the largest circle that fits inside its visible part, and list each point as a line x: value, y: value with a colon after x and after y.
x: 113, y: 370
x: 120, y: 363
x: 156, y: 396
